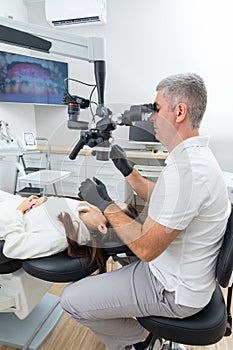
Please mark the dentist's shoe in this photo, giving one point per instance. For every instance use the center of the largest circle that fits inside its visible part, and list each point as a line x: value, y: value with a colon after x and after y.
x: 151, y: 343
x: 155, y: 344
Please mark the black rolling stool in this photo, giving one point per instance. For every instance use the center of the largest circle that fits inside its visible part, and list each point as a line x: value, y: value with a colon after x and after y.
x: 30, y: 332
x: 213, y: 322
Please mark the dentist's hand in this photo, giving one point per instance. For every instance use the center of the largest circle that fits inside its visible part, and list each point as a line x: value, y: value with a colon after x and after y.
x: 120, y: 160
x: 95, y: 192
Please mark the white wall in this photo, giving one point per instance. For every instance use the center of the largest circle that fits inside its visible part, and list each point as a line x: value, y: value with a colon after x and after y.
x: 19, y: 117
x: 146, y: 41
x: 14, y: 8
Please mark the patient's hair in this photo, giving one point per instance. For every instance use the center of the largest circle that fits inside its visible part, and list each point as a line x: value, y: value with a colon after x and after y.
x: 97, y: 255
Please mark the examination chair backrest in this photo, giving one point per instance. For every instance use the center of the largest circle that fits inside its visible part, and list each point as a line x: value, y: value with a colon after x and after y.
x: 8, y: 265
x: 55, y: 268
x: 214, y: 321
x: 225, y: 259
x: 59, y: 268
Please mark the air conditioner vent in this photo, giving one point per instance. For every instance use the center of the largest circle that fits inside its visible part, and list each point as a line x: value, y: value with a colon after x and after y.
x: 67, y: 22
x: 75, y: 13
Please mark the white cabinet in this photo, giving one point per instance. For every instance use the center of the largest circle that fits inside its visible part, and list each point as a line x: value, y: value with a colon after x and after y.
x: 150, y: 169
x: 70, y: 185
x: 84, y: 166
x: 118, y: 188
x: 35, y: 159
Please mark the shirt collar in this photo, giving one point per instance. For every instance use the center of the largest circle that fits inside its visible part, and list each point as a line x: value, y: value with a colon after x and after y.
x: 195, y: 141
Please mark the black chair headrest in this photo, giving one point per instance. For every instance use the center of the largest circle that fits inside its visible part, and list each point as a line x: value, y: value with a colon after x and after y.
x: 225, y: 259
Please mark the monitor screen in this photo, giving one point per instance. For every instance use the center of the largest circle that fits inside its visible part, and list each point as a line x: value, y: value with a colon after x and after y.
x: 143, y: 132
x: 29, y: 79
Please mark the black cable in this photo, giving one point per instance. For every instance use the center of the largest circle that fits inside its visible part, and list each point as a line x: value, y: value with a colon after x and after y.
x: 77, y: 81
x: 92, y: 102
x: 87, y: 84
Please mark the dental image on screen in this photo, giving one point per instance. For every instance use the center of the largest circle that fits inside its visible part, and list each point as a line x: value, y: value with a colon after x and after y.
x: 29, y: 79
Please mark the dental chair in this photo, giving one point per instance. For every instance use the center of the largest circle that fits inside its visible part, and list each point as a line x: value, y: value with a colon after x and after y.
x: 28, y: 312
x: 210, y: 324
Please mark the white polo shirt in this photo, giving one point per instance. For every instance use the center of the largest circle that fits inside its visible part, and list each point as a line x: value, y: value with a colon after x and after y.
x: 190, y: 195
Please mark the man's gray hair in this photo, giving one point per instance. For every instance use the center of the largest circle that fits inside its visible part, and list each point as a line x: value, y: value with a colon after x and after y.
x: 188, y: 88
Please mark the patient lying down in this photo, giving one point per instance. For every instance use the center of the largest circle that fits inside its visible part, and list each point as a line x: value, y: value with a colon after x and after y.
x: 37, y: 227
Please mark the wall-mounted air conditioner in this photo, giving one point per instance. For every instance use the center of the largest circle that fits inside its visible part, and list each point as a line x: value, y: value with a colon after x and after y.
x: 75, y: 12
x: 27, y: 2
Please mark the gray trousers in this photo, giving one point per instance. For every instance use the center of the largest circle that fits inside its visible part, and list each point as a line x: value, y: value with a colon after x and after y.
x: 109, y: 303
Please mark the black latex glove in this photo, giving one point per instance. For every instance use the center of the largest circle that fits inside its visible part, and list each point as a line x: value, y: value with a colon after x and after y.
x: 95, y: 192
x: 120, y: 160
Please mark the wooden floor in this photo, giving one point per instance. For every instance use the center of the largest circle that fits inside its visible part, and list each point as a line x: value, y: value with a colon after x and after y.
x: 69, y: 335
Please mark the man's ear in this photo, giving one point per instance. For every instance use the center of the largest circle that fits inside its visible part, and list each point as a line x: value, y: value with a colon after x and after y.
x: 181, y: 112
x: 102, y: 228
